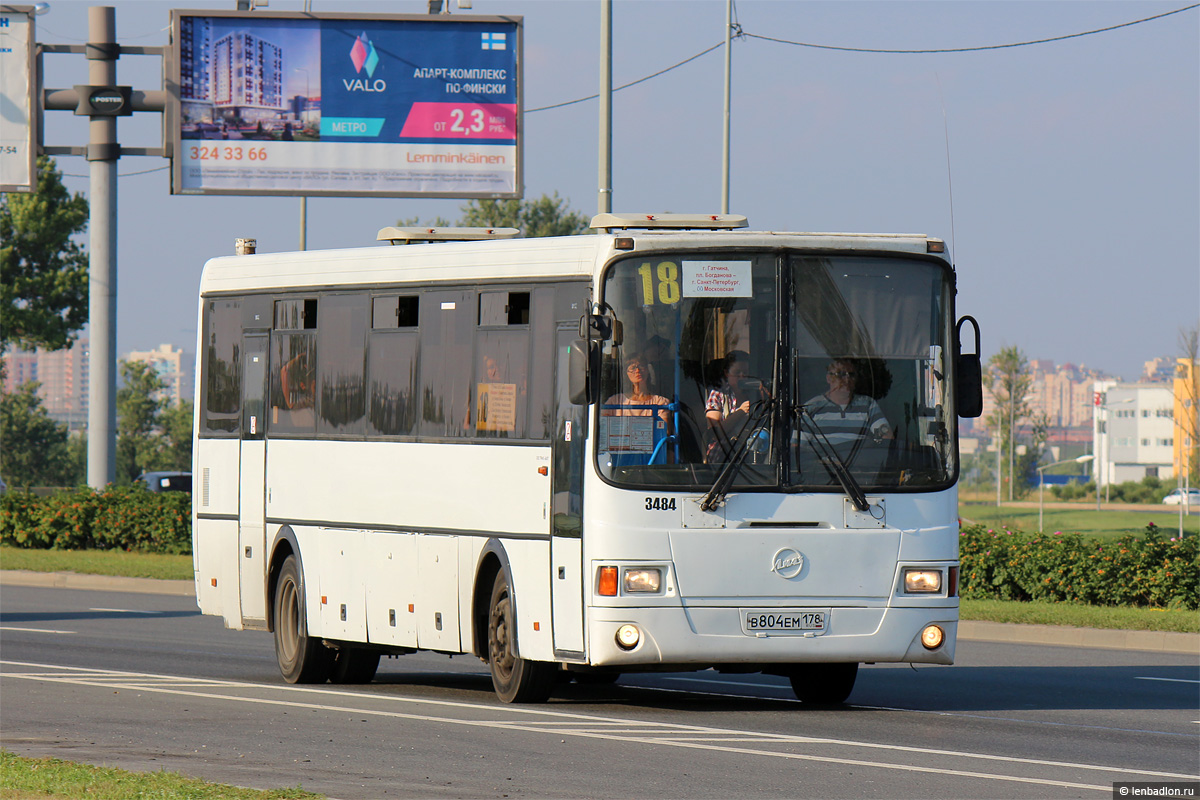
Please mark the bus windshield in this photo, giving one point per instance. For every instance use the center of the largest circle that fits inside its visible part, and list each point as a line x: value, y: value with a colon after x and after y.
x: 808, y: 372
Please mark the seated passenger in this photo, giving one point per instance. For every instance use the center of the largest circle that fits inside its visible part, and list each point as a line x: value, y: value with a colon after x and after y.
x: 637, y: 376
x: 728, y: 406
x: 844, y: 416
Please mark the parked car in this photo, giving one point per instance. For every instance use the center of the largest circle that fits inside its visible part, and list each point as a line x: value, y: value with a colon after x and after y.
x: 166, y: 481
x: 1176, y: 497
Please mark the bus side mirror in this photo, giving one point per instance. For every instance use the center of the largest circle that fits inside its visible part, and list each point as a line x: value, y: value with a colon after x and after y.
x: 578, y: 370
x: 969, y: 373
x: 596, y: 327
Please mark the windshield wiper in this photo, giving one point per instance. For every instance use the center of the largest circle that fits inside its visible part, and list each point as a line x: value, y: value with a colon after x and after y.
x: 830, y: 458
x: 753, y: 429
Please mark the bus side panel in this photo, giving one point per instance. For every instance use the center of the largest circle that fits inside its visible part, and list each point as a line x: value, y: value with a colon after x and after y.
x: 390, y: 572
x: 529, y: 562
x: 338, y: 567
x: 412, y: 486
x: 214, y: 555
x: 437, y: 592
x: 215, y: 541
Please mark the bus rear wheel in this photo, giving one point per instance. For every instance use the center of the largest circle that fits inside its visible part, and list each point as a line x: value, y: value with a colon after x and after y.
x: 515, y: 679
x: 823, y: 684
x: 301, y: 658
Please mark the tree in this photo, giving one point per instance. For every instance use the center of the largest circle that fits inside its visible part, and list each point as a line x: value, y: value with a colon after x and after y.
x: 138, y: 440
x: 546, y: 216
x: 43, y: 272
x: 176, y: 451
x: 35, y: 451
x: 1009, y: 379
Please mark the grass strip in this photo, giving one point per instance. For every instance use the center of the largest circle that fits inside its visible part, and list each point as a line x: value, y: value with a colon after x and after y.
x: 23, y: 778
x: 99, y: 562
x: 1073, y: 615
x: 1106, y: 524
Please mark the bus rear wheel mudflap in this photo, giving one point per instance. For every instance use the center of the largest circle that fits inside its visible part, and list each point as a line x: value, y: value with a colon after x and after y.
x: 302, y: 658
x: 515, y: 679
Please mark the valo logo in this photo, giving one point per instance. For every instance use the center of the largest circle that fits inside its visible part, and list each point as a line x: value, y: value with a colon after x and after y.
x: 364, y: 57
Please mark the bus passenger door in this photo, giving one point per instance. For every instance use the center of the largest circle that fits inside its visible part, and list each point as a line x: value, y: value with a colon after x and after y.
x: 252, y: 534
x: 566, y: 511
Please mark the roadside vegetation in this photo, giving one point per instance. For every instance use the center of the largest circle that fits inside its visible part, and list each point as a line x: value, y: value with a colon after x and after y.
x: 23, y: 778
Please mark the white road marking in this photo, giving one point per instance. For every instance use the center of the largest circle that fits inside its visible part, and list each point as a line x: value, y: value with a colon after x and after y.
x: 1168, y: 680
x: 32, y: 630
x: 539, y: 720
x: 126, y: 611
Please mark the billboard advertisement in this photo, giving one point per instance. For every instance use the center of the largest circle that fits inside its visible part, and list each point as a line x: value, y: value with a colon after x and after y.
x: 345, y: 104
x: 18, y: 131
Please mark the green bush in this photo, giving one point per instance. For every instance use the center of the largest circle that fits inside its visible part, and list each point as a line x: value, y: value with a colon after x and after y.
x: 126, y: 518
x: 1136, y: 570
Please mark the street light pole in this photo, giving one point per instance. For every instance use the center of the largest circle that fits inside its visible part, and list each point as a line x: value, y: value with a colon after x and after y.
x: 1042, y: 481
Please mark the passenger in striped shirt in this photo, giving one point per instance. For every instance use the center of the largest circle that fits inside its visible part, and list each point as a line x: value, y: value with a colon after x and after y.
x: 846, y: 418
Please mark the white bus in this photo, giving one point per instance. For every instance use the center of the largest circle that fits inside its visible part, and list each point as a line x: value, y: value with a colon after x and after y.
x: 670, y: 445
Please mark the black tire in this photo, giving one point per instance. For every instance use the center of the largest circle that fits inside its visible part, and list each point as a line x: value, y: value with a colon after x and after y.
x: 301, y: 658
x: 515, y: 679
x: 354, y: 665
x: 596, y: 678
x: 824, y: 684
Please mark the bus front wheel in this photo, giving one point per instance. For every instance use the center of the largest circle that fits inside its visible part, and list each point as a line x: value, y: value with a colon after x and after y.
x: 301, y: 658
x: 515, y: 679
x: 823, y: 684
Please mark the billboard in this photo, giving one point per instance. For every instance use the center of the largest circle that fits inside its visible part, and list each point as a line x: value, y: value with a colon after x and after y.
x: 278, y: 103
x: 18, y: 122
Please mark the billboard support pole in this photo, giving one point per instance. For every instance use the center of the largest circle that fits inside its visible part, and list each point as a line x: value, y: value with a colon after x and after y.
x: 604, y: 202
x: 102, y: 153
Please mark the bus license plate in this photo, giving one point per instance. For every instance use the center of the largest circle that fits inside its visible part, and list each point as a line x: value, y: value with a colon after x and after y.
x: 784, y: 620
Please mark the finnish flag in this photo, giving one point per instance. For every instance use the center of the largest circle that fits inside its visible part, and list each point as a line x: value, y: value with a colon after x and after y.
x: 495, y: 41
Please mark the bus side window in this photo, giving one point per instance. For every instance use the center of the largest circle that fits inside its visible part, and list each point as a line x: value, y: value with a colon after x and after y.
x: 294, y: 370
x: 222, y: 362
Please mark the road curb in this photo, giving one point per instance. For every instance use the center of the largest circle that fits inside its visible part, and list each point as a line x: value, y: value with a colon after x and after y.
x: 968, y: 630
x: 1064, y: 636
x: 109, y: 583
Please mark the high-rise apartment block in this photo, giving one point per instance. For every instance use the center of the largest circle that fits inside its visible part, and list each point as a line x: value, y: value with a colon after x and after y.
x: 174, y: 368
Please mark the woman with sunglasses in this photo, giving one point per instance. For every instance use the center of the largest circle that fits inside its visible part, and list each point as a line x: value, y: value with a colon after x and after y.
x: 637, y: 377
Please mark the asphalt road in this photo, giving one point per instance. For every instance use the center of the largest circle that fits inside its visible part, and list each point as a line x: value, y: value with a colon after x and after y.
x: 144, y: 682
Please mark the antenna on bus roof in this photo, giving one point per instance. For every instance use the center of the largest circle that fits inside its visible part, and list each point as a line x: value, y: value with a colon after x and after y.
x: 949, y: 177
x: 419, y: 234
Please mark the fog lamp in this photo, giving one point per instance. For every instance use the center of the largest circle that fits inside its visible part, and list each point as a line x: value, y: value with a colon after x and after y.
x: 922, y: 581
x: 932, y: 637
x: 643, y: 580
x: 628, y: 637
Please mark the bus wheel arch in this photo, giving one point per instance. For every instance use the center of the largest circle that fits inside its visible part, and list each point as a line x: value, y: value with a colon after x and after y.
x: 285, y: 545
x: 493, y: 560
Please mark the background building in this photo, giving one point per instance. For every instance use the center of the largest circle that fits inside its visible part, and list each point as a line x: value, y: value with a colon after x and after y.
x: 63, y: 375
x: 174, y: 368
x: 1134, y: 429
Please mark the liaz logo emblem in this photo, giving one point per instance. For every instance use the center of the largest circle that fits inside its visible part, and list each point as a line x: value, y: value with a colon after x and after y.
x: 787, y: 563
x: 364, y: 57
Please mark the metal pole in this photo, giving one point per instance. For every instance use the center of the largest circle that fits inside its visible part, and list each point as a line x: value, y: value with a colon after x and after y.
x: 1041, y: 493
x: 102, y: 154
x: 303, y: 223
x: 728, y: 85
x: 604, y: 200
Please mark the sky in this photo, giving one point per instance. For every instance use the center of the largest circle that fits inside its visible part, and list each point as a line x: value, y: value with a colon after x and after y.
x: 1065, y: 176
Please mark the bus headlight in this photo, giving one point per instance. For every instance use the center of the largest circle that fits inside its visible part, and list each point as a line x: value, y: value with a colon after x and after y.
x: 643, y: 580
x: 922, y: 581
x: 628, y: 637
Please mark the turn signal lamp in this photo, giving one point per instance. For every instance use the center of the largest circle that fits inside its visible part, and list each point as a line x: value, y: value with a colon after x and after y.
x: 932, y: 637
x: 607, y: 585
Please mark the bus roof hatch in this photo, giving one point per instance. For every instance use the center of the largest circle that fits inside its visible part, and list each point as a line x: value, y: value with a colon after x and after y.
x: 422, y: 234
x: 669, y: 221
